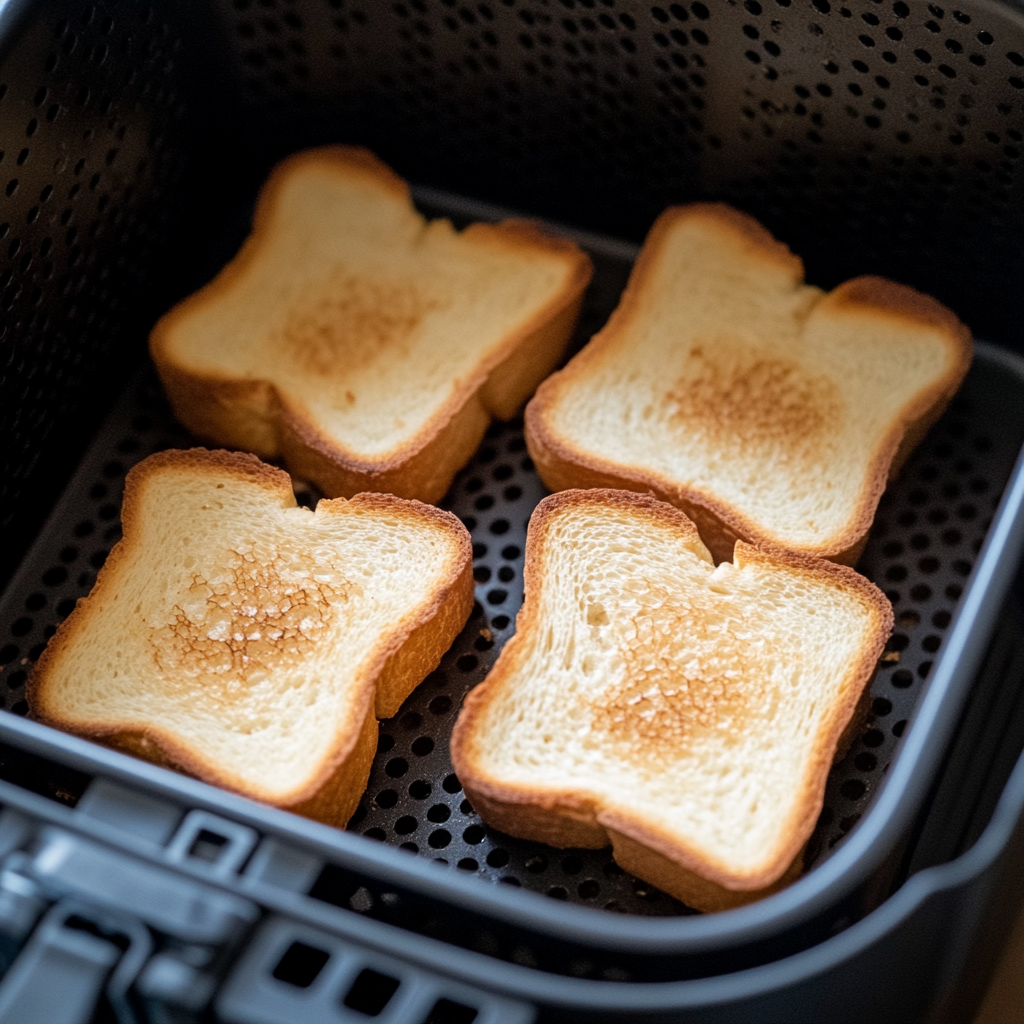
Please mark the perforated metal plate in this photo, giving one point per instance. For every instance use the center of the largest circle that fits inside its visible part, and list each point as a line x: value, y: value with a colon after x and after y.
x: 86, y: 153
x: 930, y: 526
x: 891, y: 128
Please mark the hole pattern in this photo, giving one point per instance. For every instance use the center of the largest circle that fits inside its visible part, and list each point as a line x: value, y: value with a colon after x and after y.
x: 91, y: 121
x: 939, y: 508
x: 896, y: 126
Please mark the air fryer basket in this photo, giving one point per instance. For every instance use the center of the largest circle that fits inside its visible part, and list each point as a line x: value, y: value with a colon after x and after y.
x: 872, y: 138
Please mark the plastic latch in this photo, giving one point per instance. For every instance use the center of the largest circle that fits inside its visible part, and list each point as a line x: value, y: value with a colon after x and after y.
x: 212, y: 843
x: 180, y: 907
x: 59, y: 975
x: 291, y: 972
x: 283, y: 866
x: 129, y: 811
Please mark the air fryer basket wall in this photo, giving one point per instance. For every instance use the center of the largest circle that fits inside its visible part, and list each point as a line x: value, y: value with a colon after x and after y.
x: 879, y: 137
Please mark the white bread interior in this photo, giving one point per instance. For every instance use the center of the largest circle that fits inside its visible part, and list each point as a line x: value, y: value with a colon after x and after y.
x: 765, y: 408
x: 362, y: 343
x: 246, y: 640
x: 688, y: 714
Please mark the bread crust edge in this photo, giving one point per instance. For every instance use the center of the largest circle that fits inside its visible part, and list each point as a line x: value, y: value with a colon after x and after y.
x: 398, y: 665
x: 567, y: 818
x: 561, y: 465
x: 255, y: 415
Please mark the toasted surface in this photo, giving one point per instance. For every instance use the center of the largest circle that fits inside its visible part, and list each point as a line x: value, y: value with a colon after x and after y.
x: 363, y: 344
x: 247, y: 640
x: 766, y: 409
x: 688, y: 714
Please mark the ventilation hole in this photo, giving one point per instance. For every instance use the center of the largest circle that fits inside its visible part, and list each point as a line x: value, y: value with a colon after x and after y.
x: 498, y: 857
x: 300, y: 965
x: 506, y: 574
x: 500, y: 622
x: 921, y: 592
x: 479, y: 550
x: 385, y: 742
x: 899, y: 727
x: 865, y: 761
x: 901, y: 678
x: 22, y: 626
x: 56, y: 576
x: 474, y: 834
x: 207, y: 846
x: 908, y: 619
x: 941, y: 619
x: 377, y: 834
x: 467, y: 663
x: 499, y: 526
x: 411, y: 720
x: 371, y: 992
x: 931, y: 643
x: 468, y: 864
x: 439, y: 838
x: 439, y: 813
x: 451, y: 784
x: 396, y: 767
x: 422, y: 745
x: 481, y: 574
x: 497, y: 596
x: 8, y: 653
x: 440, y: 705
x: 953, y: 591
x: 510, y: 553
x: 406, y: 825
x: 420, y: 789
x: 873, y: 738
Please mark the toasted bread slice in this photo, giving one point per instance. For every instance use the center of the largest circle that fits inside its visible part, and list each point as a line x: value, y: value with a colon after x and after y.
x: 765, y: 409
x: 685, y: 713
x: 364, y: 345
x: 251, y: 642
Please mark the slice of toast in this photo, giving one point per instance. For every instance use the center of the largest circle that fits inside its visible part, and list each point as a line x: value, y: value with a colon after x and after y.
x: 365, y: 346
x: 685, y: 713
x: 250, y: 642
x: 764, y: 408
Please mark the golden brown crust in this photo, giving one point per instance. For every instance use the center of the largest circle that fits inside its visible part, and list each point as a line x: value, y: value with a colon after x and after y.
x: 257, y: 416
x: 567, y: 818
x: 398, y: 664
x: 562, y: 465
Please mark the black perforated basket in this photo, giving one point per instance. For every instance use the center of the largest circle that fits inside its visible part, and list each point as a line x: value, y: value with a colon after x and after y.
x: 872, y: 138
